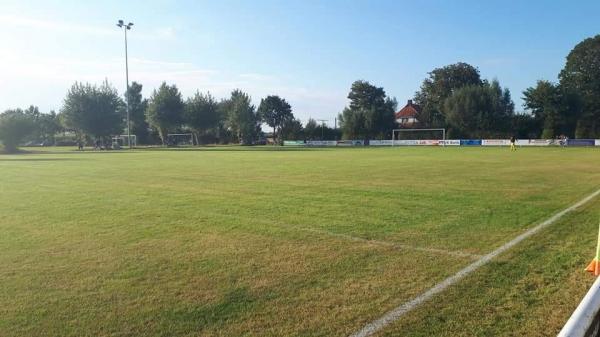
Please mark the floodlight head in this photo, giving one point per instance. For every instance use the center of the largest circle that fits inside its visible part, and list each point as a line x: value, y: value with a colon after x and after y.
x: 130, y: 24
x: 120, y: 23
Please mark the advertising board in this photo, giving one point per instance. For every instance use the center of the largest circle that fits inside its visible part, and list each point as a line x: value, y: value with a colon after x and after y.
x: 495, y: 142
x: 350, y: 142
x: 403, y: 142
x: 449, y: 142
x: 321, y: 143
x: 293, y: 143
x: 386, y: 142
x: 581, y: 142
x: 470, y: 142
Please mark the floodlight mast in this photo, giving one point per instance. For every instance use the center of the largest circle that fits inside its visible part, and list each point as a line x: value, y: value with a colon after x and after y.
x: 126, y: 27
x: 322, y: 127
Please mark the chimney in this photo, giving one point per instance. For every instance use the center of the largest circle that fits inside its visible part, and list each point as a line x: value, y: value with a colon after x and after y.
x: 409, y: 102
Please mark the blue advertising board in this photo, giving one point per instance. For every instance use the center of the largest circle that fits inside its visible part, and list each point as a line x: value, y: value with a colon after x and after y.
x: 470, y: 142
x: 581, y: 142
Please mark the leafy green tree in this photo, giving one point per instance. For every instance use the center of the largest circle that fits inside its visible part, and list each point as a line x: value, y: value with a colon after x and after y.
x: 242, y: 119
x: 440, y: 85
x: 292, y: 129
x: 165, y: 110
x: 137, y: 113
x: 370, y: 113
x: 201, y: 113
x: 525, y: 125
x: 479, y: 111
x: 15, y: 126
x: 543, y: 101
x: 502, y: 108
x: 581, y: 75
x: 312, y: 130
x: 275, y: 112
x: 96, y: 111
x: 46, y: 125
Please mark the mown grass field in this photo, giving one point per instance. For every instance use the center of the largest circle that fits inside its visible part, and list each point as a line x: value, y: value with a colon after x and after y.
x: 232, y: 241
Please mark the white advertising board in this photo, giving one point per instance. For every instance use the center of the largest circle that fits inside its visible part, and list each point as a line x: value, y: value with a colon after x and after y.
x: 429, y: 142
x: 495, y: 142
x: 387, y: 142
x: 540, y: 142
x: 402, y: 142
x: 449, y: 142
x: 321, y: 143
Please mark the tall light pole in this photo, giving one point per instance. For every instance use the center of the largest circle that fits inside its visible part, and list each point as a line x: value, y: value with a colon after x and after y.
x: 322, y: 127
x: 126, y: 27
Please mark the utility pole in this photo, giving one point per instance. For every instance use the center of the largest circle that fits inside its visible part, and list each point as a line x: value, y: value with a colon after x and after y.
x: 126, y: 27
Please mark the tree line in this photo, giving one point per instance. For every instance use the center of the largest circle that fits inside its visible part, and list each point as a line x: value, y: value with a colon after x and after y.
x: 96, y: 112
x: 454, y: 97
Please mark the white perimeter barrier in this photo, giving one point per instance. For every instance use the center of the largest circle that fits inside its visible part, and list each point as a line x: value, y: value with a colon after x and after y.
x: 386, y: 142
x: 585, y: 320
x: 535, y: 142
x: 450, y: 142
x: 495, y: 142
x: 321, y: 143
x: 431, y: 142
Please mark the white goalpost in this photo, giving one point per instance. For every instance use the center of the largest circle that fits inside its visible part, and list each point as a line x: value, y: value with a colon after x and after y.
x: 178, y: 139
x: 441, y: 132
x: 124, y: 141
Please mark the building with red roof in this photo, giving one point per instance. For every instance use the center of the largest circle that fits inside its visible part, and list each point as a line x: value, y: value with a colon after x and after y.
x: 407, y: 116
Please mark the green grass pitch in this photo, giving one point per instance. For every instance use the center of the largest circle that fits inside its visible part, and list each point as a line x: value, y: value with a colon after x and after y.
x: 232, y: 241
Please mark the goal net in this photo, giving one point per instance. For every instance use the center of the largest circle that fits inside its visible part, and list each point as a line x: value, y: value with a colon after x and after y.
x: 181, y: 139
x: 401, y: 136
x: 124, y: 141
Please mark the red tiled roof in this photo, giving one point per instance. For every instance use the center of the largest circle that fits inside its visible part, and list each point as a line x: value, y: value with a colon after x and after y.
x: 409, y: 111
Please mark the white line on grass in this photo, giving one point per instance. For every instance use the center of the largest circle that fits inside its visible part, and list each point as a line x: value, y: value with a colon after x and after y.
x: 396, y: 245
x: 399, y: 311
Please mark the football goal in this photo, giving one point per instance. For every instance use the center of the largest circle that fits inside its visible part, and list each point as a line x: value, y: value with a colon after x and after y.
x: 124, y: 141
x: 400, y: 136
x: 181, y: 139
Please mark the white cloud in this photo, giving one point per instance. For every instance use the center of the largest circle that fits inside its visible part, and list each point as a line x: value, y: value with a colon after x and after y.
x: 50, y: 78
x: 28, y: 77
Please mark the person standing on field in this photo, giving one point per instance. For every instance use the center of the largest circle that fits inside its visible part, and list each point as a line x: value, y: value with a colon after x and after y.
x: 512, y: 143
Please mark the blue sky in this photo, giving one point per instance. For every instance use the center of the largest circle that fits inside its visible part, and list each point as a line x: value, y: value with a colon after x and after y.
x: 309, y: 52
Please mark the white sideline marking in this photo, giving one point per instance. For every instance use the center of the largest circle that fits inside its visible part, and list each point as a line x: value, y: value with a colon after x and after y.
x: 399, y: 311
x: 396, y: 245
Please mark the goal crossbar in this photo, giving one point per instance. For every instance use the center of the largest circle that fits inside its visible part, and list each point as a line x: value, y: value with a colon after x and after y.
x: 418, y: 130
x: 192, y: 137
x: 126, y: 140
